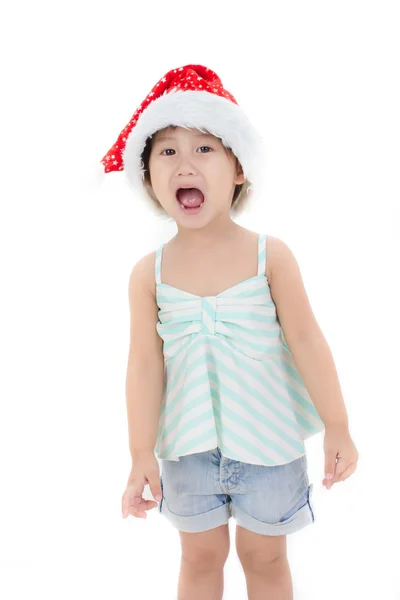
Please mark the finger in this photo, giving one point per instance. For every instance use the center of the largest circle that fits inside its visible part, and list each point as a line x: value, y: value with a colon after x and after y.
x: 342, y: 472
x: 139, y: 506
x: 340, y: 467
x: 140, y: 514
x: 136, y: 512
x: 330, y: 462
x: 144, y: 504
x: 130, y: 495
x: 349, y: 470
x: 154, y: 480
x: 140, y: 509
x: 331, y: 467
x: 128, y: 501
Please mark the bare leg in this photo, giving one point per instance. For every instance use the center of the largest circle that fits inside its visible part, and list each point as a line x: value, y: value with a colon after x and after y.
x: 265, y: 565
x: 202, y: 565
x: 273, y: 581
x: 197, y: 583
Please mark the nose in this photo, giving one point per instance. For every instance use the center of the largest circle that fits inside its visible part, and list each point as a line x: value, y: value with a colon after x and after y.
x: 185, y: 169
x: 186, y: 165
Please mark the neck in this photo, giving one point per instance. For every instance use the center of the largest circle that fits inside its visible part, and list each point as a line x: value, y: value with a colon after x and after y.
x: 213, y: 234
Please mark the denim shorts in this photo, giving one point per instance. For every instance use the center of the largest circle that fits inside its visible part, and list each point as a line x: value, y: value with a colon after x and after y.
x: 203, y: 490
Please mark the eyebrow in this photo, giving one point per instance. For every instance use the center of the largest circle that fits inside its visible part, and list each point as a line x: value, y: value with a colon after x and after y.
x: 171, y: 137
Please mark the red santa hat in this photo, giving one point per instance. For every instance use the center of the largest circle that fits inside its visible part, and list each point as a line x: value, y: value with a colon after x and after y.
x: 191, y: 96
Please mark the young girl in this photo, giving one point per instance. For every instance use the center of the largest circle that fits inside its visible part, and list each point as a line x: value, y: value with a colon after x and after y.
x: 228, y: 371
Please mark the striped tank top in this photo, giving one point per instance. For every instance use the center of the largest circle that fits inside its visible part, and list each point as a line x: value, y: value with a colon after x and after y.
x: 229, y: 377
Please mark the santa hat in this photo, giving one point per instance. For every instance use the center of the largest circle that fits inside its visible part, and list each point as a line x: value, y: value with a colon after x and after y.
x: 191, y: 96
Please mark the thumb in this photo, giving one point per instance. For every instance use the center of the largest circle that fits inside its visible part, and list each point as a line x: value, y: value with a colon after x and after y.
x: 330, y: 465
x: 155, y: 487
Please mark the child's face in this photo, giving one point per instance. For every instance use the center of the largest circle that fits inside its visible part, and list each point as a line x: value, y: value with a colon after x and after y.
x: 189, y: 157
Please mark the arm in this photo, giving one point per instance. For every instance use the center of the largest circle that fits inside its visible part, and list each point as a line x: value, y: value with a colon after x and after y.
x: 145, y: 371
x: 304, y: 337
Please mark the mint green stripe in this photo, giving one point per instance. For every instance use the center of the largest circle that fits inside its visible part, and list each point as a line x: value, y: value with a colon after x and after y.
x: 260, y: 417
x: 251, y: 448
x: 194, y: 403
x: 304, y: 402
x: 272, y: 333
x: 174, y: 299
x: 210, y: 433
x: 211, y: 375
x: 244, y: 316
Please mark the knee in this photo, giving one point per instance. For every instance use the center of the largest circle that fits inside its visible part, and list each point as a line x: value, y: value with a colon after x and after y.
x: 260, y: 562
x: 202, y: 559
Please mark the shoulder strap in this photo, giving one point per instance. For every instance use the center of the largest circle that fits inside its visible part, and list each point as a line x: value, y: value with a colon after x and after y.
x: 262, y: 254
x: 157, y: 267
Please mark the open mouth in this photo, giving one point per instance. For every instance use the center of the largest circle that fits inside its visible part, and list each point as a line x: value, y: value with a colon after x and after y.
x: 190, y: 199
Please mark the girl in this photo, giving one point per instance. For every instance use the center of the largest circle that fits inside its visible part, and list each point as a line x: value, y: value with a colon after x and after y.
x: 225, y: 353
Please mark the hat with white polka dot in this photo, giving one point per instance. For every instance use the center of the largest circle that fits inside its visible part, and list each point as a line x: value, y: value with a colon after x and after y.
x: 190, y: 96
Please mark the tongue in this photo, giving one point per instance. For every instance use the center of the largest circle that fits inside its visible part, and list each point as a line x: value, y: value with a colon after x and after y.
x: 191, y: 197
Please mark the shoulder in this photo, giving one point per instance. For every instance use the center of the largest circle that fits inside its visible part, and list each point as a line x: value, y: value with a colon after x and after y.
x: 145, y: 344
x: 289, y: 294
x: 279, y: 255
x: 273, y: 249
x: 143, y: 274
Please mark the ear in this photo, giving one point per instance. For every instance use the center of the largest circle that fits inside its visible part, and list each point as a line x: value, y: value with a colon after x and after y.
x: 240, y: 178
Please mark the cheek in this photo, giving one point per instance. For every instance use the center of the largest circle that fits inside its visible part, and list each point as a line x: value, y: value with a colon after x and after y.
x: 221, y: 175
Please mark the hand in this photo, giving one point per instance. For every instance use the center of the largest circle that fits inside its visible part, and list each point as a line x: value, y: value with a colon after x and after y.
x: 145, y: 470
x: 338, y: 446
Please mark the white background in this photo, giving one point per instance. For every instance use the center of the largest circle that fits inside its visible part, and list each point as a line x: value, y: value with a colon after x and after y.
x: 320, y: 80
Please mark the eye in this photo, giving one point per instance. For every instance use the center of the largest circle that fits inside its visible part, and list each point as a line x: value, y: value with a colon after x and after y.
x: 167, y: 149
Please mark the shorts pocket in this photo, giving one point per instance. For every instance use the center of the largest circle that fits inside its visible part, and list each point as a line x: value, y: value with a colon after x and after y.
x: 300, y: 507
x: 290, y: 514
x: 309, y: 501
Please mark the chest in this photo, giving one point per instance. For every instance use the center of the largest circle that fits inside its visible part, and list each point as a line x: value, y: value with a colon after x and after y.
x: 211, y: 273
